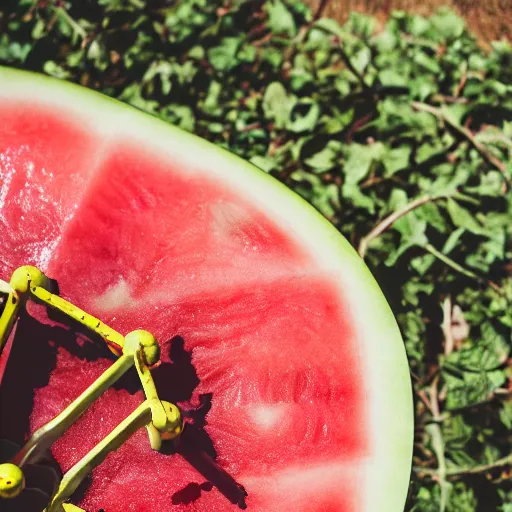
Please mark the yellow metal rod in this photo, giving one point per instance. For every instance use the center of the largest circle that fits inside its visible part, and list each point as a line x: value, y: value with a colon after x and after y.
x: 146, y: 352
x: 146, y: 379
x: 114, y: 340
x: 44, y: 437
x: 72, y: 479
x: 8, y: 317
x: 69, y: 507
x: 159, y: 418
x: 21, y: 279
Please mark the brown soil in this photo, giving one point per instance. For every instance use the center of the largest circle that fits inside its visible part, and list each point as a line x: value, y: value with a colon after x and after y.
x: 489, y: 20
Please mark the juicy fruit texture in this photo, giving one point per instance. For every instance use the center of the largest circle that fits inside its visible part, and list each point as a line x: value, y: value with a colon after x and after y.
x: 38, y: 193
x: 257, y: 341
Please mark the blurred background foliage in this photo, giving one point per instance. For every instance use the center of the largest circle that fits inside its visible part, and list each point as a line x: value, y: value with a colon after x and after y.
x: 489, y: 20
x: 401, y: 136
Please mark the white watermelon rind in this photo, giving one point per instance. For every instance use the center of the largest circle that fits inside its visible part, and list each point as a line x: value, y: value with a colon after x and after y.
x: 385, y: 368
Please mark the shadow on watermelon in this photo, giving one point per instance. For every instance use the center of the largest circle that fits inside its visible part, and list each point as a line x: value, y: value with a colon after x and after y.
x: 276, y: 340
x: 177, y: 379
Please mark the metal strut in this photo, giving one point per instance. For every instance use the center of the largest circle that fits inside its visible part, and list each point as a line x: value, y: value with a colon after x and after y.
x: 139, y: 348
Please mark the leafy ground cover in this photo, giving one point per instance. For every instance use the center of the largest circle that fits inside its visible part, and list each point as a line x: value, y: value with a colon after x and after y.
x: 400, y: 137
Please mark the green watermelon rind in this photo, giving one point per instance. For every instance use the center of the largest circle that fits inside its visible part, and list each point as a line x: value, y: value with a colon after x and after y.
x: 388, y: 388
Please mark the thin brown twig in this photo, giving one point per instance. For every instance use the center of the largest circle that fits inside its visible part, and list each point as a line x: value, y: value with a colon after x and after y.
x: 438, y: 443
x: 424, y: 398
x: 249, y: 127
x: 459, y: 268
x: 462, y: 81
x: 414, y: 376
x: 351, y: 67
x: 320, y: 9
x: 390, y: 219
x: 299, y: 38
x: 486, y: 154
x: 441, y: 98
x: 447, y: 326
x: 433, y: 391
x: 432, y: 373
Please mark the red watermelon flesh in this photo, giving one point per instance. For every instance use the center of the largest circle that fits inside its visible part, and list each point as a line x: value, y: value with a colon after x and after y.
x: 258, y: 340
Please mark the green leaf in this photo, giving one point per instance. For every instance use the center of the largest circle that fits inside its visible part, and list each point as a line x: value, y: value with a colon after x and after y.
x: 39, y: 29
x: 280, y: 19
x: 13, y: 51
x: 211, y: 102
x: 265, y: 163
x: 385, y: 42
x: 457, y: 434
x: 418, y: 25
x: 490, y: 185
x: 361, y: 24
x: 247, y: 53
x: 412, y: 290
x: 196, y: 52
x: 453, y: 240
x: 329, y: 26
x: 447, y: 24
x: 462, y: 498
x: 224, y: 56
x: 360, y: 159
x: 54, y: 69
x: 421, y: 264
x: 277, y: 105
x: 466, y: 389
x: 98, y: 54
x: 180, y: 115
x: 392, y: 77
x: 505, y: 413
x: 396, y: 159
x: 324, y: 198
x: 431, y: 214
x: 338, y: 121
x: 133, y: 95
x: 326, y: 158
x: 413, y: 328
x: 216, y: 127
x: 489, y: 353
x: 463, y: 218
x: 162, y: 69
x: 361, y: 59
x: 273, y: 57
x: 304, y: 116
x: 428, y: 63
x: 412, y: 229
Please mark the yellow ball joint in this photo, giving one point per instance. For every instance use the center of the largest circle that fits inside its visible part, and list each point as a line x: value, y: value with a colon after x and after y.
x: 144, y: 342
x: 12, y: 481
x: 26, y: 277
x: 175, y: 425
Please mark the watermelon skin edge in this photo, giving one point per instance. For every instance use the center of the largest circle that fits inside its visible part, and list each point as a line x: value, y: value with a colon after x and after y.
x: 385, y: 368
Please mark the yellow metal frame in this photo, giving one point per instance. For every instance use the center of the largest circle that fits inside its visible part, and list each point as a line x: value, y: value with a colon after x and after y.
x: 139, y: 348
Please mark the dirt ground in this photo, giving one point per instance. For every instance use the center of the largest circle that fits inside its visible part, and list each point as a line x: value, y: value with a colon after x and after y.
x: 488, y: 19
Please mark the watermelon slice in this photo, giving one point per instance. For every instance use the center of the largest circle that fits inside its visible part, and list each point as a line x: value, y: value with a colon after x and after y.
x: 275, y: 338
